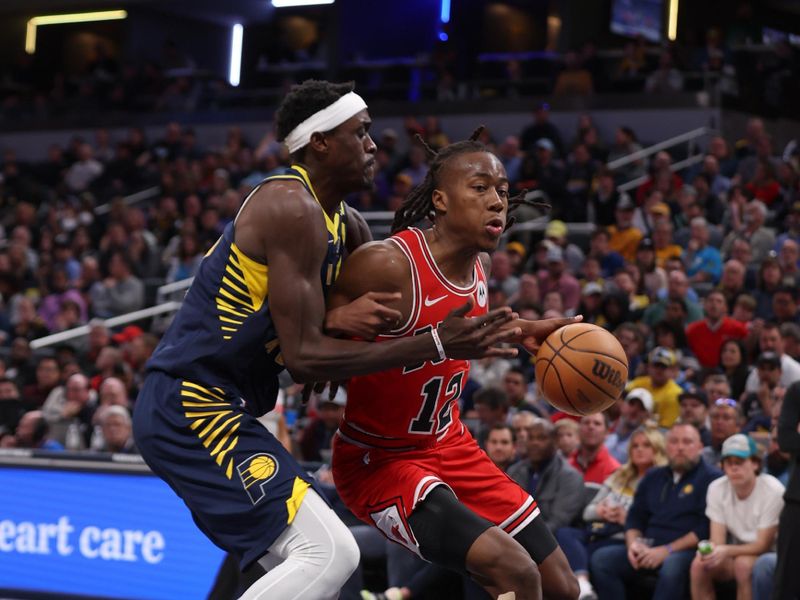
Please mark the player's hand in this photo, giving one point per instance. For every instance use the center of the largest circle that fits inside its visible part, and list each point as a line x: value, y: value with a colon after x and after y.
x: 534, y: 333
x: 365, y: 317
x: 466, y: 338
x: 319, y: 387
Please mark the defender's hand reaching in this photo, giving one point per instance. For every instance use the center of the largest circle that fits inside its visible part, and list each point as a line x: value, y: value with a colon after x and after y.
x: 477, y: 337
x: 365, y: 317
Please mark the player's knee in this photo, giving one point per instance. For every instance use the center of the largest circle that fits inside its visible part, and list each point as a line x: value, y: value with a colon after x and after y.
x: 565, y: 587
x: 513, y: 571
x: 347, y: 555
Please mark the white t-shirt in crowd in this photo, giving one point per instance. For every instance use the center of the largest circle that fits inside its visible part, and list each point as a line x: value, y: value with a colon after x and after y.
x: 743, y: 518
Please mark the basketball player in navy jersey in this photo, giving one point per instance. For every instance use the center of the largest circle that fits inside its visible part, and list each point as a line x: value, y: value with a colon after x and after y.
x: 402, y: 460
x: 256, y: 305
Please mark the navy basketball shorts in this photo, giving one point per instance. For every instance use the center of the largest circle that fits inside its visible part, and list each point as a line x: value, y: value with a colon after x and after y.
x: 242, y: 487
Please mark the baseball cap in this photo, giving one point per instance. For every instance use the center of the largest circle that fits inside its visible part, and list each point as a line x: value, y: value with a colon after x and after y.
x: 739, y: 445
x: 556, y: 228
x: 662, y: 356
x: 545, y: 143
x: 660, y: 208
x: 768, y: 358
x: 592, y: 288
x: 625, y: 202
x: 516, y: 247
x: 698, y: 395
x: 555, y: 254
x: 128, y: 334
x: 340, y: 399
x: 643, y: 396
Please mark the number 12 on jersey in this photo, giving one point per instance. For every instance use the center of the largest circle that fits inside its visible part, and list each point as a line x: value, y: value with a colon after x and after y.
x: 425, y: 422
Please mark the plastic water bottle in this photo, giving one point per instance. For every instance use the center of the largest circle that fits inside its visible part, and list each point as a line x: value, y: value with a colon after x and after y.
x: 97, y: 441
x: 73, y: 439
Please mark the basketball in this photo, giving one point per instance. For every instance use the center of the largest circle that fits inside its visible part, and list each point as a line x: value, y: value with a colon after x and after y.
x: 581, y: 369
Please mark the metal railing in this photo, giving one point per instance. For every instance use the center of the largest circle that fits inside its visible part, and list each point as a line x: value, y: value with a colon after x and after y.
x: 689, y: 138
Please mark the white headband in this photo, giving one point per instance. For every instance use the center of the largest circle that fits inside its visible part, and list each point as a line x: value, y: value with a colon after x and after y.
x: 324, y: 120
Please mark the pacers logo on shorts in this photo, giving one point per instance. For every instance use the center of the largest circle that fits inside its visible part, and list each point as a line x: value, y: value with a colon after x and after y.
x: 255, y: 473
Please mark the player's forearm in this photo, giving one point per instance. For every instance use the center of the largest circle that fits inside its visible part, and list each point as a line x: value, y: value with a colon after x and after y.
x: 331, y: 359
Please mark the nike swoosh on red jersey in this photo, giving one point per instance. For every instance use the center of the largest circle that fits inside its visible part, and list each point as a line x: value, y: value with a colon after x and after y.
x: 429, y: 302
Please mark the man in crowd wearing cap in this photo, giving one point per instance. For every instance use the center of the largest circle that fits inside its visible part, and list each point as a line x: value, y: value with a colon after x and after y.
x: 668, y: 511
x: 705, y: 338
x: 660, y: 382
x: 694, y: 410
x: 516, y: 255
x: 603, y: 203
x: 635, y: 410
x: 556, y: 278
x: 756, y: 407
x: 315, y: 442
x: 743, y: 508
x: 770, y: 340
x: 703, y: 262
x: 725, y: 421
x: 625, y: 237
x: 541, y: 127
x: 546, y: 171
x: 556, y: 232
x: 787, y: 575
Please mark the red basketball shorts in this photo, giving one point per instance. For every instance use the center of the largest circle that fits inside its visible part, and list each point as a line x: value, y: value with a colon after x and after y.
x: 382, y: 487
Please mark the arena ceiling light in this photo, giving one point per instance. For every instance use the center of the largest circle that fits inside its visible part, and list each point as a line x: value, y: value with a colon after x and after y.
x: 672, y: 23
x: 237, y: 32
x: 87, y: 17
x: 288, y: 3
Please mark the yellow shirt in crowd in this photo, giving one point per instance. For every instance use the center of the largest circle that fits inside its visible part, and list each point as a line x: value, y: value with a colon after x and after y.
x: 665, y: 399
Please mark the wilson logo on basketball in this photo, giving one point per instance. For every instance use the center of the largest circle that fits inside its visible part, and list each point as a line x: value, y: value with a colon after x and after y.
x: 605, y: 371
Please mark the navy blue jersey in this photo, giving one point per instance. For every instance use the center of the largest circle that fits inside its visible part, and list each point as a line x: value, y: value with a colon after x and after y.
x: 224, y: 336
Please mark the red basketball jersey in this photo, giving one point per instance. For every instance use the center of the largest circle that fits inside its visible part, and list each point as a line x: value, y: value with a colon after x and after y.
x: 415, y: 405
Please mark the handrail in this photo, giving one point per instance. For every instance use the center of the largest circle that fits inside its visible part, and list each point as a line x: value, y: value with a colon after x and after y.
x: 83, y: 330
x: 104, y: 209
x: 176, y: 286
x: 645, y: 152
x: 681, y: 164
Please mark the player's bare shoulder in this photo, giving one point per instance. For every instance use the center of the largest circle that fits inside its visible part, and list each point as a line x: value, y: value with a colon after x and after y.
x: 374, y: 266
x: 486, y: 263
x: 275, y: 213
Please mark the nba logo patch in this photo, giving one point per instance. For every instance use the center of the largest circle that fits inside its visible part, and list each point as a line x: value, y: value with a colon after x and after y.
x: 481, y: 294
x: 255, y: 472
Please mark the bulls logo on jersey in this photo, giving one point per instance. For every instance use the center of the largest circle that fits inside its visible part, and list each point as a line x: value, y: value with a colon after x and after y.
x: 393, y: 526
x: 481, y: 293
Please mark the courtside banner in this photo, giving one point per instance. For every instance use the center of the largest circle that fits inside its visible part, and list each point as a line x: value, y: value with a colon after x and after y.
x: 108, y: 535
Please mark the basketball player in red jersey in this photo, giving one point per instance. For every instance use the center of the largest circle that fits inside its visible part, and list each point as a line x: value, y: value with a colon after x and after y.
x: 402, y: 460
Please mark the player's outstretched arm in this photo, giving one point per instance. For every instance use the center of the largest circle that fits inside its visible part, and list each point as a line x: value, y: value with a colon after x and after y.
x: 381, y: 266
x: 281, y: 226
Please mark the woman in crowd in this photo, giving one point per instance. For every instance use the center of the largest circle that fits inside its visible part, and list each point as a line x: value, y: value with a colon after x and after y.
x: 733, y: 361
x: 605, y: 514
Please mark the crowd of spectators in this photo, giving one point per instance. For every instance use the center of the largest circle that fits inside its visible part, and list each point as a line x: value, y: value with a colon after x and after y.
x: 695, y: 272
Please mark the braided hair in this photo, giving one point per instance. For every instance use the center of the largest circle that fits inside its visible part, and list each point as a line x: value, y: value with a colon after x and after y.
x: 418, y: 205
